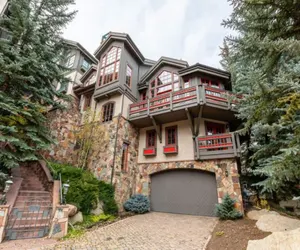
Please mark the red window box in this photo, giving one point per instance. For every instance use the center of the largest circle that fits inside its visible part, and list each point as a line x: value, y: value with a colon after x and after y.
x: 171, y: 149
x: 149, y: 151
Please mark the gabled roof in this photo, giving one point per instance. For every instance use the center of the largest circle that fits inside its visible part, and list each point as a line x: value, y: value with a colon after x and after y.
x: 164, y: 61
x: 123, y: 37
x: 204, y: 69
x: 88, y: 73
x: 82, y: 49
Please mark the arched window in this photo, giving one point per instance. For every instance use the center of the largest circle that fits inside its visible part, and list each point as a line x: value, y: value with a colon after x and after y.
x: 110, y: 66
x: 108, y: 111
x: 165, y: 82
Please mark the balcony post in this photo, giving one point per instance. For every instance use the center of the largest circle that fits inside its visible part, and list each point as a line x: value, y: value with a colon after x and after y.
x: 233, y: 144
x: 148, y: 106
x: 171, y: 101
x: 202, y: 94
x: 198, y: 93
x: 238, y: 143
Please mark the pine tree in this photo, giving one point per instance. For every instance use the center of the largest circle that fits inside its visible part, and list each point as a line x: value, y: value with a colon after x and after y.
x: 226, y: 210
x: 264, y: 59
x: 29, y: 69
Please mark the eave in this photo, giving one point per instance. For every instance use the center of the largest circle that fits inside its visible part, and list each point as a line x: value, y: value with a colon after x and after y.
x: 204, y: 69
x: 88, y: 73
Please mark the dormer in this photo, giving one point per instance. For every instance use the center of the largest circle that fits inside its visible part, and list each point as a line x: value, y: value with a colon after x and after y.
x: 161, y: 78
x: 120, y: 67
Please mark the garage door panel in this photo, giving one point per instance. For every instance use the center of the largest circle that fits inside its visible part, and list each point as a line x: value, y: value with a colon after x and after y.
x: 184, y: 191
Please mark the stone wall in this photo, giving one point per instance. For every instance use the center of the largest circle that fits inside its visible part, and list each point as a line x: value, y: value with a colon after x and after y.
x: 63, y: 125
x: 225, y: 184
x: 101, y: 163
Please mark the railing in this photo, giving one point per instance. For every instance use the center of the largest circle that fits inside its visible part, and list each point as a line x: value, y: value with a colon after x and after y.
x: 190, y: 96
x: 218, y: 146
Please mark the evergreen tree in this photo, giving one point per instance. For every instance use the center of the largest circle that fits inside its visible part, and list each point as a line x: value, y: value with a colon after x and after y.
x: 226, y: 210
x: 264, y: 59
x: 29, y: 69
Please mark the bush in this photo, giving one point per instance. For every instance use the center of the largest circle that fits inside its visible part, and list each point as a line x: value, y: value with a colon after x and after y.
x: 226, y: 210
x: 85, y: 190
x: 107, y: 196
x: 137, y: 204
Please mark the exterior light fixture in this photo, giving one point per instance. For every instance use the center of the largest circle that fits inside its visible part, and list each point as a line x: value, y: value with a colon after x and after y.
x: 8, y: 185
x: 66, y: 187
x: 226, y: 173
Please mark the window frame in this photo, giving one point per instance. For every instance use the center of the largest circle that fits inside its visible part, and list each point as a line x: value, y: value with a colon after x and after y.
x: 83, y: 67
x: 167, y: 135
x: 87, y: 97
x: 68, y: 65
x: 130, y: 82
x: 125, y: 157
x: 103, y: 66
x: 156, y: 86
x: 147, y: 138
x: 103, y: 116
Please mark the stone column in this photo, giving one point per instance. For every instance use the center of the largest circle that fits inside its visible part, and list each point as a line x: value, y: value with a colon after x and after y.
x: 3, y: 220
x: 59, y: 224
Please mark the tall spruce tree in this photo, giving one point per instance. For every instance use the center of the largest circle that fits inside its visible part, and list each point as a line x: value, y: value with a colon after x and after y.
x: 264, y: 59
x: 29, y: 68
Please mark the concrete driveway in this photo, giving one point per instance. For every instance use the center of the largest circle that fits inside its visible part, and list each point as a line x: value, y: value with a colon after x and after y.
x: 149, y: 231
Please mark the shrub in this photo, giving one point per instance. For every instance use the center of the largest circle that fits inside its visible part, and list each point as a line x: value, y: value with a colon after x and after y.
x: 107, y: 196
x: 85, y: 190
x: 138, y: 204
x: 226, y: 210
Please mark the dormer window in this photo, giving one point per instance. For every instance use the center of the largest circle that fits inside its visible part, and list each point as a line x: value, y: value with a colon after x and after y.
x: 165, y: 82
x: 110, y: 66
x: 85, y: 65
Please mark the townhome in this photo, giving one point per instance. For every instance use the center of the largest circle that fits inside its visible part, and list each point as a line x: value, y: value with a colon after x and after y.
x: 171, y: 128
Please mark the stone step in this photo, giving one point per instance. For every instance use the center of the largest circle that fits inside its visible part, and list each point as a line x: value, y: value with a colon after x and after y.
x: 34, y: 198
x: 21, y: 233
x: 28, y: 222
x: 33, y: 193
x: 24, y: 204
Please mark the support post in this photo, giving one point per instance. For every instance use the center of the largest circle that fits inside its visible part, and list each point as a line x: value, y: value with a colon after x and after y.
x: 234, y: 144
x: 157, y: 128
x: 171, y: 101
x: 198, y: 120
x: 148, y: 106
x: 191, y: 121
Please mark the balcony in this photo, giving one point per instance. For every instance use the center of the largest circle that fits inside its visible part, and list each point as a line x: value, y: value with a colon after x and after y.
x: 171, y: 107
x: 218, y: 146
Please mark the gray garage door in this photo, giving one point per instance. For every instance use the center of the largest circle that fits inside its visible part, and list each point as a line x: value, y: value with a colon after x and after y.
x: 184, y: 192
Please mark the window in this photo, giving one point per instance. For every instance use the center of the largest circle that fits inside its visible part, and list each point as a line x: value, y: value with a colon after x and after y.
x: 212, y: 83
x: 171, y: 136
x: 151, y: 139
x: 164, y: 83
x: 87, y: 101
x: 110, y: 66
x: 125, y: 153
x: 90, y: 80
x: 70, y: 61
x: 128, y: 75
x: 108, y: 111
x: 143, y: 95
x: 85, y: 65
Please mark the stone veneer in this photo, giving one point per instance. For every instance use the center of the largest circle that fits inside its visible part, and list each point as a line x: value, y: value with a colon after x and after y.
x: 63, y: 125
x: 230, y: 184
x: 101, y: 163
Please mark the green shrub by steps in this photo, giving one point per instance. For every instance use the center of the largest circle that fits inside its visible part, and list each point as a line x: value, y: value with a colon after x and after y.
x: 226, y: 210
x: 85, y: 190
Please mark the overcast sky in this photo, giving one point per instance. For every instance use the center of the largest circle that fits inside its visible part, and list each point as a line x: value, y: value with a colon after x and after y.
x: 184, y: 29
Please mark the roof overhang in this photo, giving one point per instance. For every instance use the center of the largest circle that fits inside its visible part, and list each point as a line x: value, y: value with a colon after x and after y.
x: 180, y: 64
x: 86, y: 75
x: 204, y: 69
x: 123, y: 37
x: 82, y: 49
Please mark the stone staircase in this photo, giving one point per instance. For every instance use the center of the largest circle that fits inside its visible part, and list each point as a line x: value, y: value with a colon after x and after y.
x: 31, y: 214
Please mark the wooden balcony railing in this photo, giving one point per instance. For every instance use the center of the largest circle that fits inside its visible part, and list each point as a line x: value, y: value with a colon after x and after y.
x: 218, y: 146
x: 183, y: 98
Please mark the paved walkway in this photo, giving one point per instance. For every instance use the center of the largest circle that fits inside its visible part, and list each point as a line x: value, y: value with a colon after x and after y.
x: 149, y: 231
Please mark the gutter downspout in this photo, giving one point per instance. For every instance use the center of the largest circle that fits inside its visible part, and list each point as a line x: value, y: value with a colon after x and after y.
x: 116, y: 140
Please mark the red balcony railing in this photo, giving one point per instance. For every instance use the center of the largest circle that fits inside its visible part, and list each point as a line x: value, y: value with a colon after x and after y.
x: 183, y: 98
x: 218, y: 146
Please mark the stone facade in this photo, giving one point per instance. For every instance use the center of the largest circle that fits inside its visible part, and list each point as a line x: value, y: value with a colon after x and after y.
x: 226, y: 173
x: 63, y: 125
x: 103, y: 164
